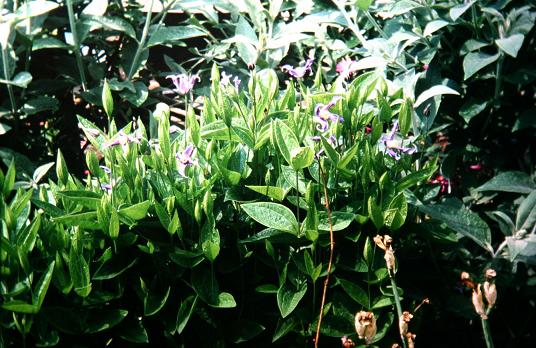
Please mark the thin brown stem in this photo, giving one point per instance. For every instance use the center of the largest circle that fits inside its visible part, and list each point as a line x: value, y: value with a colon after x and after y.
x: 331, y: 248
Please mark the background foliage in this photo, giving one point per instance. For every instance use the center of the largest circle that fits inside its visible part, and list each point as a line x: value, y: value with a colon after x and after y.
x: 239, y: 246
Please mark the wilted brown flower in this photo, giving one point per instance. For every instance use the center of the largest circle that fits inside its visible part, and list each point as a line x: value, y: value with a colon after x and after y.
x: 478, y: 302
x: 347, y: 342
x: 467, y: 281
x: 403, y: 322
x: 365, y: 325
x: 490, y: 274
x: 490, y: 292
x: 411, y: 339
x: 385, y: 244
x: 379, y: 242
x: 390, y: 259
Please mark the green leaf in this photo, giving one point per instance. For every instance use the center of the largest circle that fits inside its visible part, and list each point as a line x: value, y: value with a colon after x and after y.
x: 79, y: 271
x: 174, y: 35
x: 273, y: 192
x: 461, y: 220
x: 395, y: 215
x: 114, y: 267
x: 511, y: 45
x: 404, y: 116
x: 110, y: 23
x: 432, y: 92
x: 62, y: 171
x: 9, y: 179
x: 4, y: 128
x: 88, y: 199
x: 96, y: 8
x: 35, y: 8
x: 107, y: 99
x: 185, y: 312
x: 48, y: 42
x: 244, y: 330
x: 22, y: 79
x: 155, y: 301
x: 103, y: 319
x: 526, y: 214
x: 457, y: 11
x: 363, y: 4
x: 42, y: 286
x: 136, y: 211
x: 40, y: 104
x: 133, y: 331
x: 518, y: 182
x: 272, y: 215
x: 471, y: 108
x: 375, y: 213
x: 355, y: 292
x: 302, y: 157
x: 41, y: 171
x: 81, y: 219
x: 475, y: 61
x: 224, y: 300
x: 433, y: 26
x: 19, y: 307
x: 285, y: 139
x: 288, y: 297
x: 210, y: 240
x: 340, y: 220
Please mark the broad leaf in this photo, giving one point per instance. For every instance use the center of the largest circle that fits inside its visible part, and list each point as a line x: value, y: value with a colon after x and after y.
x: 272, y: 215
x: 288, y: 297
x: 518, y: 182
x: 475, y: 61
x: 511, y: 45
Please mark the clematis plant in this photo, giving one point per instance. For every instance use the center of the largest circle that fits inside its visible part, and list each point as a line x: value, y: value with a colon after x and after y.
x: 393, y: 146
x: 322, y: 115
x: 122, y: 139
x: 300, y: 71
x: 183, y: 83
x: 185, y: 159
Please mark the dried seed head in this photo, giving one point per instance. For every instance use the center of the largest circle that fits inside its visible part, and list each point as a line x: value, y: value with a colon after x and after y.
x: 490, y: 274
x: 478, y: 302
x: 387, y: 240
x: 411, y: 339
x: 390, y: 259
x: 365, y: 325
x: 467, y: 281
x: 347, y: 342
x: 490, y: 292
x: 403, y: 322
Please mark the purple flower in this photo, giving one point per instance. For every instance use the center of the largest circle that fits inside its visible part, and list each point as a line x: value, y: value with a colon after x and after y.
x: 393, y: 146
x: 185, y: 159
x: 331, y: 140
x: 300, y: 71
x: 226, y: 80
x: 183, y: 83
x: 106, y: 169
x: 322, y: 115
x: 121, y: 139
x: 236, y: 82
x: 106, y: 187
x: 346, y: 67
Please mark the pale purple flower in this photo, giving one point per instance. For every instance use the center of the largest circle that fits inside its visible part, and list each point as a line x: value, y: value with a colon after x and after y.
x: 185, y: 159
x: 346, y: 67
x: 331, y: 140
x: 106, y: 187
x: 121, y: 139
x: 236, y: 82
x: 183, y: 83
x: 173, y: 129
x: 322, y: 115
x: 106, y: 169
x: 300, y: 71
x: 226, y: 80
x: 393, y: 146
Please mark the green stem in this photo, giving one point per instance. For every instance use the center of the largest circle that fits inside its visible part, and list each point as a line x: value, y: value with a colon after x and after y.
x: 76, y: 44
x: 5, y: 64
x: 297, y: 198
x: 351, y: 24
x: 141, y: 45
x: 487, y: 333
x: 397, y: 303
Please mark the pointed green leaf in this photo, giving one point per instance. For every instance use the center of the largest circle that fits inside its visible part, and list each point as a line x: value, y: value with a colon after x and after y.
x: 511, y: 45
x: 272, y: 215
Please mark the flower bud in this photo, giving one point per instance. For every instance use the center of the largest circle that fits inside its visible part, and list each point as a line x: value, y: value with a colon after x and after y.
x: 478, y: 302
x: 365, y: 325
